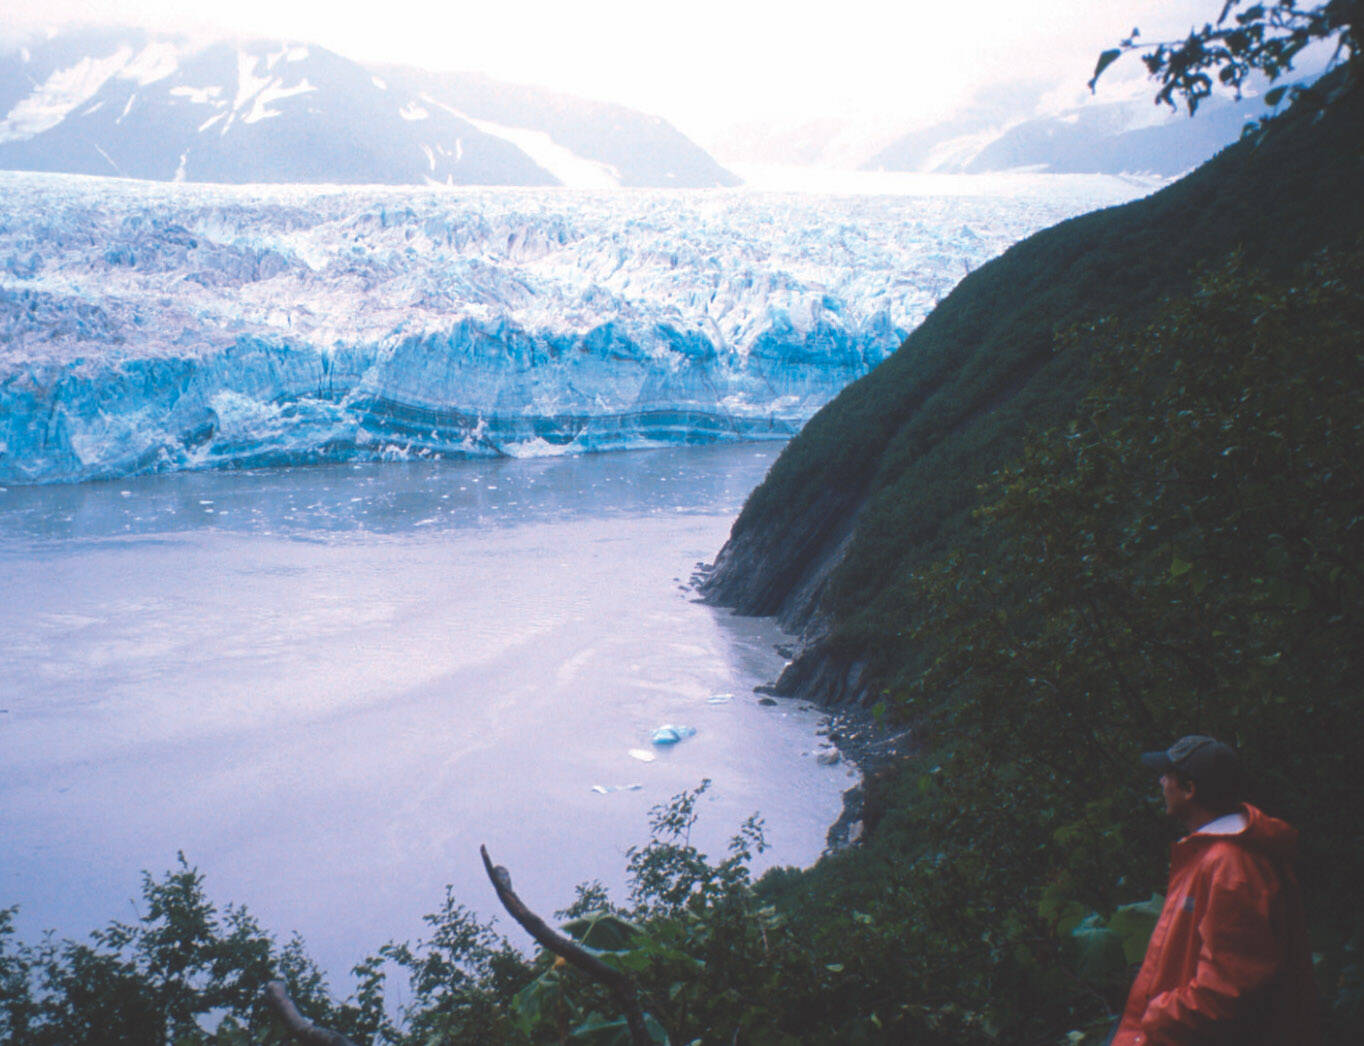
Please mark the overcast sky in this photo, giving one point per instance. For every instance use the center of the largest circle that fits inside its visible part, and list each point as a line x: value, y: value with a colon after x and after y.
x: 703, y: 64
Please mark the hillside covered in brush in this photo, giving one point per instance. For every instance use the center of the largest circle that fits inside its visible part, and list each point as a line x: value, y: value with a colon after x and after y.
x: 885, y: 477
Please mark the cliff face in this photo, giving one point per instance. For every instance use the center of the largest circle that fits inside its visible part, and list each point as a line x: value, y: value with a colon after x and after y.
x: 783, y: 573
x: 879, y: 481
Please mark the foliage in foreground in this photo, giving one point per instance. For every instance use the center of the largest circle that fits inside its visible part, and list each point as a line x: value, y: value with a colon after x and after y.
x: 705, y: 951
x: 155, y: 980
x: 1248, y: 37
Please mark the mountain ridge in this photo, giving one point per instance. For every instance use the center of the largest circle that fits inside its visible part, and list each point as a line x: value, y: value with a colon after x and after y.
x: 1099, y: 138
x: 135, y: 104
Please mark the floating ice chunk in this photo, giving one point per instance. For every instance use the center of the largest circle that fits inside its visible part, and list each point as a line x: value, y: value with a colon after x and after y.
x: 667, y: 734
x: 643, y: 755
x: 537, y: 447
x: 608, y: 789
x: 719, y: 699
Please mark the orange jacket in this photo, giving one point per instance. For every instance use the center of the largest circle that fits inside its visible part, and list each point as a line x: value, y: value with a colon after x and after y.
x: 1228, y: 961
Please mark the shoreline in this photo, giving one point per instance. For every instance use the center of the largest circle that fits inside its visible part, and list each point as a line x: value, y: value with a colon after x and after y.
x: 868, y: 746
x: 872, y: 749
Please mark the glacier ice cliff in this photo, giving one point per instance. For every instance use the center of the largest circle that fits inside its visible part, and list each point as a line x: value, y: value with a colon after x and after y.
x: 148, y: 327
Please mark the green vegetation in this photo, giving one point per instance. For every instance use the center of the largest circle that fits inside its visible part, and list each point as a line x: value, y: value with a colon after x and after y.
x: 1184, y: 555
x: 908, y: 445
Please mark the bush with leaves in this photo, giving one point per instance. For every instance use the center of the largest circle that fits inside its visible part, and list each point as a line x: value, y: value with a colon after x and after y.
x: 182, y: 968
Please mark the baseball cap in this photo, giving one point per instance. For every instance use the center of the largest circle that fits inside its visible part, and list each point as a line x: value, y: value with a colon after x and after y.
x: 1206, y: 760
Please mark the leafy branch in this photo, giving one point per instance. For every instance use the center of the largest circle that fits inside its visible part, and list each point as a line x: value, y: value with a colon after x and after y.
x: 1262, y: 38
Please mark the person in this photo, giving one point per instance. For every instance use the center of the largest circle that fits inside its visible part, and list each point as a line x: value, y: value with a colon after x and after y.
x: 1228, y: 960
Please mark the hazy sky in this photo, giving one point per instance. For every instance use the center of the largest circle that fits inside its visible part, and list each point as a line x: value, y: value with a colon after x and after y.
x: 704, y: 64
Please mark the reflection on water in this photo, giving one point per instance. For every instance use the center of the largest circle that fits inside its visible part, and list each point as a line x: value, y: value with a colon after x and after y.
x: 329, y: 685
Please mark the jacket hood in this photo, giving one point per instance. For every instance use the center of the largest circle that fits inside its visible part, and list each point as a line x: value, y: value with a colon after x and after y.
x: 1275, y: 838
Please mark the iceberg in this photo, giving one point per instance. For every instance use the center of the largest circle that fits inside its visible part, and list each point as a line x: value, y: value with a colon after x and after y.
x: 149, y: 326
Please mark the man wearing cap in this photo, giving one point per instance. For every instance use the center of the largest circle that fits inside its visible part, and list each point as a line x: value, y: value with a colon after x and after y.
x: 1228, y: 961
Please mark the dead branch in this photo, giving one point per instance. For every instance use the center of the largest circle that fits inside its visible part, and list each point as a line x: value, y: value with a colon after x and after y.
x: 622, y: 988
x: 302, y: 1029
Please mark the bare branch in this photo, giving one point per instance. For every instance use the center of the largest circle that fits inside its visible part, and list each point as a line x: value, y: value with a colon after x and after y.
x: 621, y: 987
x: 302, y: 1029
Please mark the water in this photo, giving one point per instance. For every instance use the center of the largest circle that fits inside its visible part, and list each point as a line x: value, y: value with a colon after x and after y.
x: 328, y: 686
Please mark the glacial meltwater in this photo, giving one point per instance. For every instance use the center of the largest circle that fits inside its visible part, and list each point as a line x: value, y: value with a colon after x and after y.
x: 327, y: 686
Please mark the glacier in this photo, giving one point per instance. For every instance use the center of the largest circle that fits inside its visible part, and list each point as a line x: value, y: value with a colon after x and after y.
x: 151, y: 326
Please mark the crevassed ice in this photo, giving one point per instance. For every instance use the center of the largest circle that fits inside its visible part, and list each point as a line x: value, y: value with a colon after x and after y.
x: 150, y: 326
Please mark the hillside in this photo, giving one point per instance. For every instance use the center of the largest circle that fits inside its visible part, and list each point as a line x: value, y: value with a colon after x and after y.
x: 1106, y: 495
x: 882, y: 479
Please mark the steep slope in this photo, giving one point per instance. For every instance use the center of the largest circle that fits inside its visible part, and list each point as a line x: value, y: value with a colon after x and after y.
x: 880, y: 479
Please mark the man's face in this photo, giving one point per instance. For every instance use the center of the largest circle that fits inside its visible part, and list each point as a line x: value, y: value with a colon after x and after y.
x: 1177, y: 795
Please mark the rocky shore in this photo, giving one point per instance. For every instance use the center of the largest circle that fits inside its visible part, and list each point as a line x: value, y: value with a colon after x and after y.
x: 812, y: 679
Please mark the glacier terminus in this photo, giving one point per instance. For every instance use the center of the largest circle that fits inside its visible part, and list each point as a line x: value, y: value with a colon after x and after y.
x: 149, y: 327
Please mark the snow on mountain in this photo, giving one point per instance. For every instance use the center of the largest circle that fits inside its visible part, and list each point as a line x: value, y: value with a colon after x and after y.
x: 149, y: 326
x: 127, y: 103
x: 1131, y: 135
x: 1027, y: 125
x: 604, y: 144
x: 1112, y: 138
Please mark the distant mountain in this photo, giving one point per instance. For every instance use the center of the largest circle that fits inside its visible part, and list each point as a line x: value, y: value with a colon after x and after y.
x: 591, y: 140
x: 1097, y: 138
x: 133, y: 104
